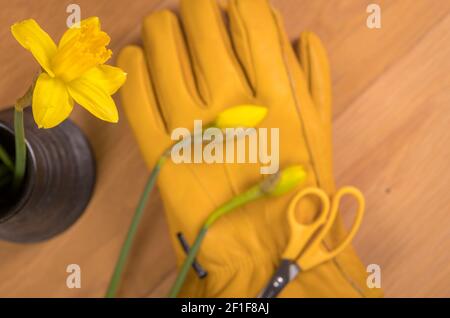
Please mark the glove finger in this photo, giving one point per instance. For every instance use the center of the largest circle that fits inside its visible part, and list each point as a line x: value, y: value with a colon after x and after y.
x: 171, y: 71
x: 257, y: 40
x: 140, y: 105
x: 318, y: 135
x: 220, y: 78
x: 314, y: 61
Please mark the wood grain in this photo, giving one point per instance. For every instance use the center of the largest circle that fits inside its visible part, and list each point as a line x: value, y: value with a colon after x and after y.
x: 391, y: 137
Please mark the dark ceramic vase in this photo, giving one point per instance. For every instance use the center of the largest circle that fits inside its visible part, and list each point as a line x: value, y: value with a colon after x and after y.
x: 58, y: 185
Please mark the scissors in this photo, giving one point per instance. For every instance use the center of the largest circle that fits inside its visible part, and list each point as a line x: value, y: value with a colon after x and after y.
x: 305, y: 249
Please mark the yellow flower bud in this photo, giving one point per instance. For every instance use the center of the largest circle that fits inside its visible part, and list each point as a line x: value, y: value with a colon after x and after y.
x: 284, y: 181
x: 240, y: 116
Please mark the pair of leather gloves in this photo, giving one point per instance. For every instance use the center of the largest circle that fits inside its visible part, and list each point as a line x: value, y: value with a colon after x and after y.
x: 198, y: 67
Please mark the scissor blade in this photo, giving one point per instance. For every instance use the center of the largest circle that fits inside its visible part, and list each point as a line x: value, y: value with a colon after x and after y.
x: 286, y: 272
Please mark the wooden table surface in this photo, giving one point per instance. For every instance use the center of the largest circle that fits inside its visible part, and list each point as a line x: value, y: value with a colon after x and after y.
x: 391, y: 139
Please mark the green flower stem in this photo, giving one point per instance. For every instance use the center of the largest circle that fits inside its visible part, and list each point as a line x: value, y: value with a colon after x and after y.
x: 181, y: 277
x: 19, y: 134
x: 121, y: 261
x: 21, y: 151
x: 6, y: 159
x: 252, y: 194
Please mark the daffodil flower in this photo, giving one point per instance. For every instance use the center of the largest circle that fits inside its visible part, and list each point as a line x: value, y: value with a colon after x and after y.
x: 73, y: 70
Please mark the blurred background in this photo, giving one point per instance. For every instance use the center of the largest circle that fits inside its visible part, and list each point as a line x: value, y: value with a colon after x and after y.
x: 391, y: 139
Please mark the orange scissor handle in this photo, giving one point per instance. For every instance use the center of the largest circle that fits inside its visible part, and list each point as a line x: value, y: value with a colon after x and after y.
x: 316, y: 254
x: 301, y: 233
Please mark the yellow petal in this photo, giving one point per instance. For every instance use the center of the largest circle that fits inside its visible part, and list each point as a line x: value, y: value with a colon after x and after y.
x: 51, y: 101
x: 30, y: 35
x: 74, y: 30
x: 241, y: 116
x: 109, y: 78
x: 94, y: 98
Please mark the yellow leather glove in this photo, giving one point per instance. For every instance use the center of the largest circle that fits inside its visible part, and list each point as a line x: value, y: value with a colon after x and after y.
x: 195, y: 74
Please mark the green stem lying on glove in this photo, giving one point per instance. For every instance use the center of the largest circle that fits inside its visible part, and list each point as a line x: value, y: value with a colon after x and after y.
x: 238, y: 116
x: 275, y: 185
x: 126, y: 247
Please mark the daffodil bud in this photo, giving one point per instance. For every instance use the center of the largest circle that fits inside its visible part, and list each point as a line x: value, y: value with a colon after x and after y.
x: 283, y: 181
x: 247, y: 116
